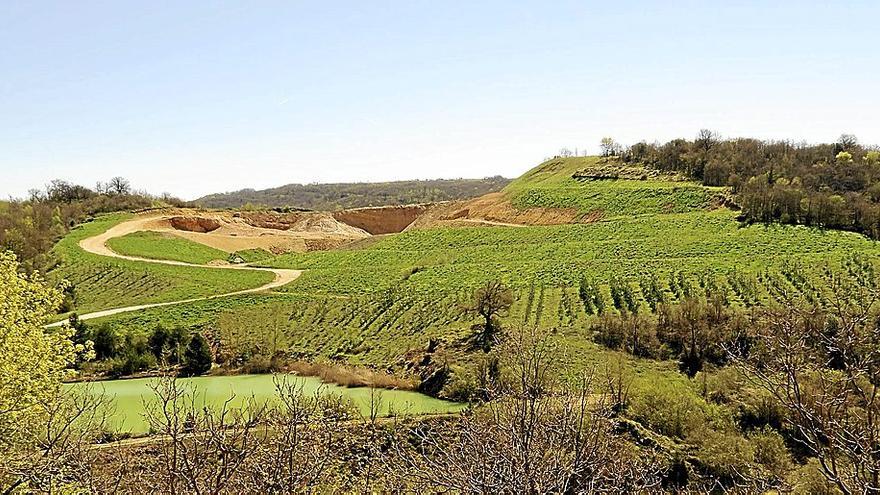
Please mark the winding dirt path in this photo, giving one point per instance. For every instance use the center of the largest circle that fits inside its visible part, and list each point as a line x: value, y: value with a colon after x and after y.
x: 98, y: 245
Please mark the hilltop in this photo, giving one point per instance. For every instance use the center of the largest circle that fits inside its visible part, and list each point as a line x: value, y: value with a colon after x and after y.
x: 331, y: 197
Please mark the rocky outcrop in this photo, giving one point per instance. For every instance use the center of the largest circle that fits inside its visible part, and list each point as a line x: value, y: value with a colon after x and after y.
x: 194, y: 224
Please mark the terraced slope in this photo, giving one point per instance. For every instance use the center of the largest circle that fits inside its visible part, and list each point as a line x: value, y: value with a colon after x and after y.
x: 102, y: 282
x: 379, y: 303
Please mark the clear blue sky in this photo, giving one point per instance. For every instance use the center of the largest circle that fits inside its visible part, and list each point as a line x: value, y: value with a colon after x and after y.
x: 194, y: 97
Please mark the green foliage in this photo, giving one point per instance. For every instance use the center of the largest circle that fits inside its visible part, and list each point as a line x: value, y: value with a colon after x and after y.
x: 623, y: 296
x: 828, y: 185
x: 30, y: 227
x: 165, y: 246
x: 33, y: 360
x: 672, y: 409
x: 252, y: 255
x: 106, y: 341
x: 591, y: 296
x: 197, y: 356
x: 166, y: 345
x: 331, y: 197
x: 679, y: 246
x: 808, y: 480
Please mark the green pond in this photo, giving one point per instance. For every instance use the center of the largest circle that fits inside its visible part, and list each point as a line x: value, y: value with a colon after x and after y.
x: 130, y: 397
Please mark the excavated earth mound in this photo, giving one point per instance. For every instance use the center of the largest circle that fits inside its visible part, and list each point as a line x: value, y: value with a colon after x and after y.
x: 310, y: 221
x: 274, y: 232
x: 304, y: 231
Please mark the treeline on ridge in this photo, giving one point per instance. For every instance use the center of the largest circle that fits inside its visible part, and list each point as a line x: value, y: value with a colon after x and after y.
x: 329, y: 197
x: 30, y: 227
x: 827, y: 185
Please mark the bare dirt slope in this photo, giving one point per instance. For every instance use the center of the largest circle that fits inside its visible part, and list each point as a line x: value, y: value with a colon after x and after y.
x: 383, y: 219
x: 275, y: 232
x: 492, y: 209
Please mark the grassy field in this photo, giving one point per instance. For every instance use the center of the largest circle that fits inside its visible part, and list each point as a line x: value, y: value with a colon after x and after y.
x: 551, y: 185
x: 383, y: 304
x: 164, y: 246
x: 101, y: 282
x: 695, y: 243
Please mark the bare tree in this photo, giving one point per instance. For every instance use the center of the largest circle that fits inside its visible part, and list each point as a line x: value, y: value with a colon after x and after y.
x: 60, y: 450
x: 706, y: 139
x: 847, y: 141
x: 489, y: 302
x: 118, y: 186
x: 298, y: 453
x: 822, y: 364
x: 539, y: 436
x: 608, y: 147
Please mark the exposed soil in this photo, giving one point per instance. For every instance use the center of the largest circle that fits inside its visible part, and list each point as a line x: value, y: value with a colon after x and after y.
x: 305, y: 231
x: 274, y: 232
x: 301, y: 221
x: 194, y: 224
x: 495, y: 209
x: 382, y: 220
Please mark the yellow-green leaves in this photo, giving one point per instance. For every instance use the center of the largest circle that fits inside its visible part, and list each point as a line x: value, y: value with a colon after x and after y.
x: 33, y: 360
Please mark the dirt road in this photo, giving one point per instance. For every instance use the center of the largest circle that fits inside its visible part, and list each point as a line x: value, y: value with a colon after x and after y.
x: 98, y: 245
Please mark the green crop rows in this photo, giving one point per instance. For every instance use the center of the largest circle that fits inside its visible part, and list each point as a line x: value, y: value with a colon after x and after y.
x: 164, y: 246
x: 453, y: 259
x: 380, y: 304
x: 101, y: 282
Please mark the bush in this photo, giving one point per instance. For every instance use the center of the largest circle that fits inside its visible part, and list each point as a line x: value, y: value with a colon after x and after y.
x: 673, y: 409
x: 727, y: 458
x: 197, y: 357
x: 106, y: 342
x: 808, y: 480
x: 131, y: 362
x: 771, y: 452
x: 631, y: 332
x: 460, y: 386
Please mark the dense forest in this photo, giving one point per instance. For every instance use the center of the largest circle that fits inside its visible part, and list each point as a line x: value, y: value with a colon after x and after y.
x: 29, y: 228
x: 329, y: 197
x: 827, y: 185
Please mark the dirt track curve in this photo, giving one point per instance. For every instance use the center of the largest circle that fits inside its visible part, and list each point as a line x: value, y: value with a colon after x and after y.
x: 98, y: 245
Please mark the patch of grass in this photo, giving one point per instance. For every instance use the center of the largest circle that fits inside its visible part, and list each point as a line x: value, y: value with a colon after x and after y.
x: 253, y: 255
x: 165, y: 246
x: 102, y: 282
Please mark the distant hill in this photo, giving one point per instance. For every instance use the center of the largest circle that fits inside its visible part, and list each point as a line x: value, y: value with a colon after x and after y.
x: 356, y: 195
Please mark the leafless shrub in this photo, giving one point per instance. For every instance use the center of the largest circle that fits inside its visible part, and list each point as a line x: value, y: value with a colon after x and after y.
x: 59, y: 451
x: 822, y: 365
x: 538, y: 436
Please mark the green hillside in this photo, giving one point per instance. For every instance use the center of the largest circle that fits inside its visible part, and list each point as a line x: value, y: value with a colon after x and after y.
x: 650, y: 249
x: 329, y: 197
x: 373, y: 305
x: 162, y: 246
x: 100, y: 282
x: 568, y: 183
